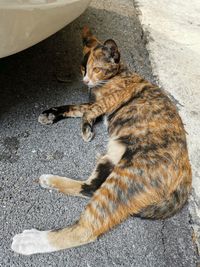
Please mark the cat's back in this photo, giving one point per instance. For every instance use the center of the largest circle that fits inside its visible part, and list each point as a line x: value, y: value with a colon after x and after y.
x: 151, y: 128
x: 146, y: 114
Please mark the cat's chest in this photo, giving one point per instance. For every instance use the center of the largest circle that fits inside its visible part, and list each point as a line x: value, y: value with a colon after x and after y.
x: 98, y: 94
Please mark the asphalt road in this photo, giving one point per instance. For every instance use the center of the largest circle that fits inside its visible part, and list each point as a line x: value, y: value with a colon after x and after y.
x: 29, y: 83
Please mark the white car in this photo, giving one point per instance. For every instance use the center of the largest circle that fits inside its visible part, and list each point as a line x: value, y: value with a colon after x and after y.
x: 24, y: 23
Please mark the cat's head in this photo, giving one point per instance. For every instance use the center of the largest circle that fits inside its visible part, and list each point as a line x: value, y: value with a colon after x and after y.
x: 101, y: 61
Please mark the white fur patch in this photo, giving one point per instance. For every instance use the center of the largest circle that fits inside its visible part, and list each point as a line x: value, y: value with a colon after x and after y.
x: 46, y: 119
x: 44, y: 181
x: 105, y: 121
x: 115, y: 150
x: 86, y: 78
x: 32, y: 242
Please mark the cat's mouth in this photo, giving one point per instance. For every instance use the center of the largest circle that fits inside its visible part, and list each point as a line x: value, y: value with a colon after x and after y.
x: 87, y: 81
x: 90, y: 84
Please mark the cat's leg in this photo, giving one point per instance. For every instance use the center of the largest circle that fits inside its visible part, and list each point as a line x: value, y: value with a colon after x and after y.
x: 55, y: 114
x: 33, y: 241
x: 112, y: 203
x: 108, y: 104
x: 61, y: 184
x: 125, y: 192
x: 105, y: 210
x: 77, y: 187
x: 96, y: 219
x: 103, y: 168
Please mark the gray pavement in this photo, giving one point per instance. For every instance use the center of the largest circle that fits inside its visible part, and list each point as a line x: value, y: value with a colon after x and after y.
x: 28, y: 85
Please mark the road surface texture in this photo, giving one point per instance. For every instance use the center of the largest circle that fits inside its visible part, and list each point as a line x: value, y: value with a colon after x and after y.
x: 31, y: 82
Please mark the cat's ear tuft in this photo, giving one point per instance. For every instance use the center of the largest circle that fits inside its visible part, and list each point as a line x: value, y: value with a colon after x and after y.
x: 113, y: 49
x: 86, y: 33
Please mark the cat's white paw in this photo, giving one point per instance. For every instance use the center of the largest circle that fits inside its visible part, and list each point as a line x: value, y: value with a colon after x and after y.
x: 32, y: 242
x: 45, y: 181
x: 46, y: 118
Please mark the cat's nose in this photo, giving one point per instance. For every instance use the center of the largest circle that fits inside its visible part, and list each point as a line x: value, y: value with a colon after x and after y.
x: 85, y: 80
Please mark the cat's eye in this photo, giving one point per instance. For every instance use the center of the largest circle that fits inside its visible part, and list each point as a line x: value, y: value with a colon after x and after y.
x: 97, y: 70
x: 82, y: 70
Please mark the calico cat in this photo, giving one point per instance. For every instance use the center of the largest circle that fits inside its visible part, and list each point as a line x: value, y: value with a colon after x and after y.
x: 146, y: 170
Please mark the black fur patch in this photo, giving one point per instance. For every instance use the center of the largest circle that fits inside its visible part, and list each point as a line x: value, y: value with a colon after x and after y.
x: 168, y: 207
x: 87, y: 41
x: 98, y: 46
x: 57, y: 112
x: 103, y: 170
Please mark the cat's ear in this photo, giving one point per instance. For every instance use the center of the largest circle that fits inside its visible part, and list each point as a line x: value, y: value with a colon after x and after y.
x: 113, y: 50
x: 89, y: 40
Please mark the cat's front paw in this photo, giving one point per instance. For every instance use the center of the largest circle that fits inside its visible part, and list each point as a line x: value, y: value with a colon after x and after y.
x: 87, y: 133
x: 49, y: 116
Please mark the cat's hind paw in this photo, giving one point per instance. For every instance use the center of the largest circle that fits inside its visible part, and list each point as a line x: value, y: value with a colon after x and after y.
x: 46, y: 181
x: 32, y: 242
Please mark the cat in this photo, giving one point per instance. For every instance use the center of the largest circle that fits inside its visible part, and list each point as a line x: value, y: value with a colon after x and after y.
x: 146, y: 171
